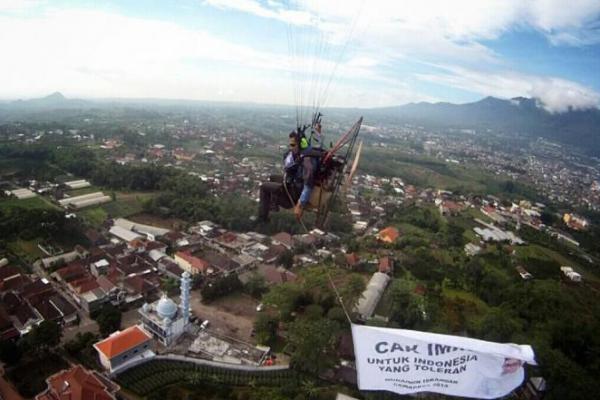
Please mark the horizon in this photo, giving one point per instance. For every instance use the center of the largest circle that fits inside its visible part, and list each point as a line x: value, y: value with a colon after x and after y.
x: 383, y: 55
x: 234, y: 102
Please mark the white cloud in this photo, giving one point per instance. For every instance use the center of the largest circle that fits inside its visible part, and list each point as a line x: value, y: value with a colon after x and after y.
x: 274, y: 10
x: 435, y: 28
x: 104, y: 54
x: 11, y: 6
x: 91, y: 53
x: 554, y: 94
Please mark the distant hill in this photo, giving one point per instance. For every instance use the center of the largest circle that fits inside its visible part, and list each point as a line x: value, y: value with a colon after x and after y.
x: 519, y: 115
x: 54, y: 101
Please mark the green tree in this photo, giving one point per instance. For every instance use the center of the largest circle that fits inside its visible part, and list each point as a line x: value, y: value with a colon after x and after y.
x: 499, y: 325
x: 10, y: 352
x: 108, y: 319
x: 313, y: 344
x: 454, y: 235
x: 220, y: 287
x: 352, y: 290
x: 44, y: 336
x: 407, y: 307
x: 256, y: 286
x: 285, y: 297
x: 169, y: 285
x: 265, y: 326
x: 286, y: 259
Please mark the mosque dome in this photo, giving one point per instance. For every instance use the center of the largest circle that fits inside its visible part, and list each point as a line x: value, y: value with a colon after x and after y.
x: 166, y: 308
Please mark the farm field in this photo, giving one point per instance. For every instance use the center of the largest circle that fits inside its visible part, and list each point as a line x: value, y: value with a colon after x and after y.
x: 153, y: 375
x: 31, y: 203
x: 124, y: 205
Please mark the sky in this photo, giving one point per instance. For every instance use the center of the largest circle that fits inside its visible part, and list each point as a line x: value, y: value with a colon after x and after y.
x: 350, y: 53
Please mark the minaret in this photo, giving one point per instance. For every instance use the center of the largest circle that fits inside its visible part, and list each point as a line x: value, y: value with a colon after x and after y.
x: 186, y: 283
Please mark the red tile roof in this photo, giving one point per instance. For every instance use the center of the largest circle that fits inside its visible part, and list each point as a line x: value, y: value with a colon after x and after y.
x: 85, y: 284
x: 352, y: 259
x: 196, y: 263
x: 385, y: 265
x: 389, y: 234
x: 122, y: 341
x: 76, y: 383
x: 72, y: 271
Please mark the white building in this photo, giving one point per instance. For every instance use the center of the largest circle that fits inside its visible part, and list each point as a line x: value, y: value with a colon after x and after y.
x: 124, y: 346
x: 164, y: 319
x: 569, y: 273
x: 371, y: 296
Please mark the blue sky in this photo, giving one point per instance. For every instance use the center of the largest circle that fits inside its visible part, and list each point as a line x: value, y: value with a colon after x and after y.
x: 352, y: 53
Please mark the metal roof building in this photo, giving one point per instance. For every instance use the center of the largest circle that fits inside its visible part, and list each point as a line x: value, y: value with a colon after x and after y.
x: 371, y: 296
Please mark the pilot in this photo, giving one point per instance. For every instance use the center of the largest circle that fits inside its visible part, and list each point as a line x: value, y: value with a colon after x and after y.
x: 299, y: 181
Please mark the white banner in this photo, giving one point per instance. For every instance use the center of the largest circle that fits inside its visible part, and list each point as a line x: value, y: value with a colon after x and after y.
x: 404, y: 361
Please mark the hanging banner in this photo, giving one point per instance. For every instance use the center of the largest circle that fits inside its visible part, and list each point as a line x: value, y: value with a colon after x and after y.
x: 404, y: 362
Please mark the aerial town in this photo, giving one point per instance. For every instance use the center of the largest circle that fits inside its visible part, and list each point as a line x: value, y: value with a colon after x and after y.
x: 299, y: 200
x: 147, y: 286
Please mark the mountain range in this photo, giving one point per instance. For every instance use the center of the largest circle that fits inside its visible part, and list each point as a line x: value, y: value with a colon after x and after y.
x: 519, y: 115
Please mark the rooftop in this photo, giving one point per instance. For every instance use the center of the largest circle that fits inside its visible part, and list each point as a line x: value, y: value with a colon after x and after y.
x: 77, y: 383
x: 121, y: 341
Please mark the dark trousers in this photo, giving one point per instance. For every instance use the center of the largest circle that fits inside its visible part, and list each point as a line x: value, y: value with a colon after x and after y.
x: 273, y: 195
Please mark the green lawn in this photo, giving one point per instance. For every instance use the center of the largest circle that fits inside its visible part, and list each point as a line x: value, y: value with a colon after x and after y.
x: 466, y: 296
x: 31, y: 203
x: 461, y: 310
x: 26, y: 249
x: 94, y: 216
x: 126, y: 204
x: 82, y: 191
x: 544, y: 253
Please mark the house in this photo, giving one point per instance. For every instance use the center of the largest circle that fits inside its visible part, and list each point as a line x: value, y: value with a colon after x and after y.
x: 388, y: 235
x: 169, y: 267
x: 7, y: 328
x: 276, y: 275
x: 78, y: 383
x: 352, y: 259
x: 274, y: 253
x: 220, y: 262
x: 386, y: 265
x: 123, y: 346
x: 472, y: 249
x: 449, y: 207
x: 124, y: 234
x: 191, y: 263
x: 284, y: 239
x: 570, y: 274
x: 524, y: 274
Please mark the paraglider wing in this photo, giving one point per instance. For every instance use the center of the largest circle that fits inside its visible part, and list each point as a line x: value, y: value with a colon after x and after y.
x: 354, y: 166
x: 338, y: 164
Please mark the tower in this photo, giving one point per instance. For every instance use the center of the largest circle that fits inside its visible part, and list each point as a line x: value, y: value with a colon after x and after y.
x: 185, y: 296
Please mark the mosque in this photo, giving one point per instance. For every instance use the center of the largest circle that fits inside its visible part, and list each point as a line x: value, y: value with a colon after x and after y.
x: 166, y: 320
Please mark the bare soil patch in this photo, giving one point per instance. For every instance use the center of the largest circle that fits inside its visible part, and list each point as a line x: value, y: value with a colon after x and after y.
x: 230, y: 316
x: 154, y: 220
